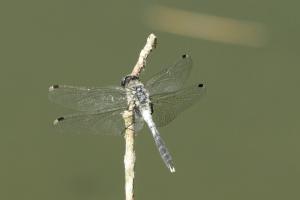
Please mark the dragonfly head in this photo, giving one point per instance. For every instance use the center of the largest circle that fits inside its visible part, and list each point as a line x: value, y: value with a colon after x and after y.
x: 125, y: 80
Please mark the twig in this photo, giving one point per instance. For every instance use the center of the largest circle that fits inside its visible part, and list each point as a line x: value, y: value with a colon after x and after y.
x: 141, y: 63
x: 129, y: 157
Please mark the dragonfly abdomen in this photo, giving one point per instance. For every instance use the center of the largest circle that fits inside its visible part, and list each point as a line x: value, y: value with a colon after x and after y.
x: 163, y: 151
x: 160, y: 144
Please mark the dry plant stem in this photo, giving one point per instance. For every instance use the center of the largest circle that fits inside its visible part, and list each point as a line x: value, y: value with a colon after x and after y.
x: 129, y: 157
x: 141, y: 63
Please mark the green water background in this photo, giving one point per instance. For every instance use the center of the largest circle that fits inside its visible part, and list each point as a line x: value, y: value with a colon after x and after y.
x: 240, y: 142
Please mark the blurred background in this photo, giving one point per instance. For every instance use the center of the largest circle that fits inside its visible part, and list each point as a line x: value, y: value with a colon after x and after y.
x: 239, y: 142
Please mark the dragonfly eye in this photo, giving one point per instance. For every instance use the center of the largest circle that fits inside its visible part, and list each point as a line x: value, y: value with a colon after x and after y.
x: 127, y: 79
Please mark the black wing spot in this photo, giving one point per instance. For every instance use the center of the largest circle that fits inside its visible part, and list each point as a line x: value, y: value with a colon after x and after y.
x: 184, y: 56
x: 200, y: 85
x: 60, y: 119
x: 53, y: 87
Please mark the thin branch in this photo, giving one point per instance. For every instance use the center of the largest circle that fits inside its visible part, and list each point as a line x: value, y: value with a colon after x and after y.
x: 141, y: 63
x: 129, y: 157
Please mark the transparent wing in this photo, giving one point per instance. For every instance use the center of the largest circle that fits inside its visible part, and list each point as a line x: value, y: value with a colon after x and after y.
x: 171, y: 78
x: 106, y: 123
x: 88, y: 99
x: 167, y: 106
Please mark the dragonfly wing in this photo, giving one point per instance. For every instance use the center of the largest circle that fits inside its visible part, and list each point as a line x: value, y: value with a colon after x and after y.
x: 105, y: 123
x: 88, y: 99
x: 171, y: 78
x: 167, y: 106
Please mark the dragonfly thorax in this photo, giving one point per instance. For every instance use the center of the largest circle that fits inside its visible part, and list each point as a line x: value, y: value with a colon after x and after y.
x: 137, y: 92
x: 141, y: 94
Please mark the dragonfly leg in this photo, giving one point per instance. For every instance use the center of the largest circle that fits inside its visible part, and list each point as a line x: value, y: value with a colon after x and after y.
x: 151, y: 107
x: 131, y: 126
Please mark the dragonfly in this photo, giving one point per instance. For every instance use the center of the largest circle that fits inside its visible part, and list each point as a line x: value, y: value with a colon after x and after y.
x: 156, y: 103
